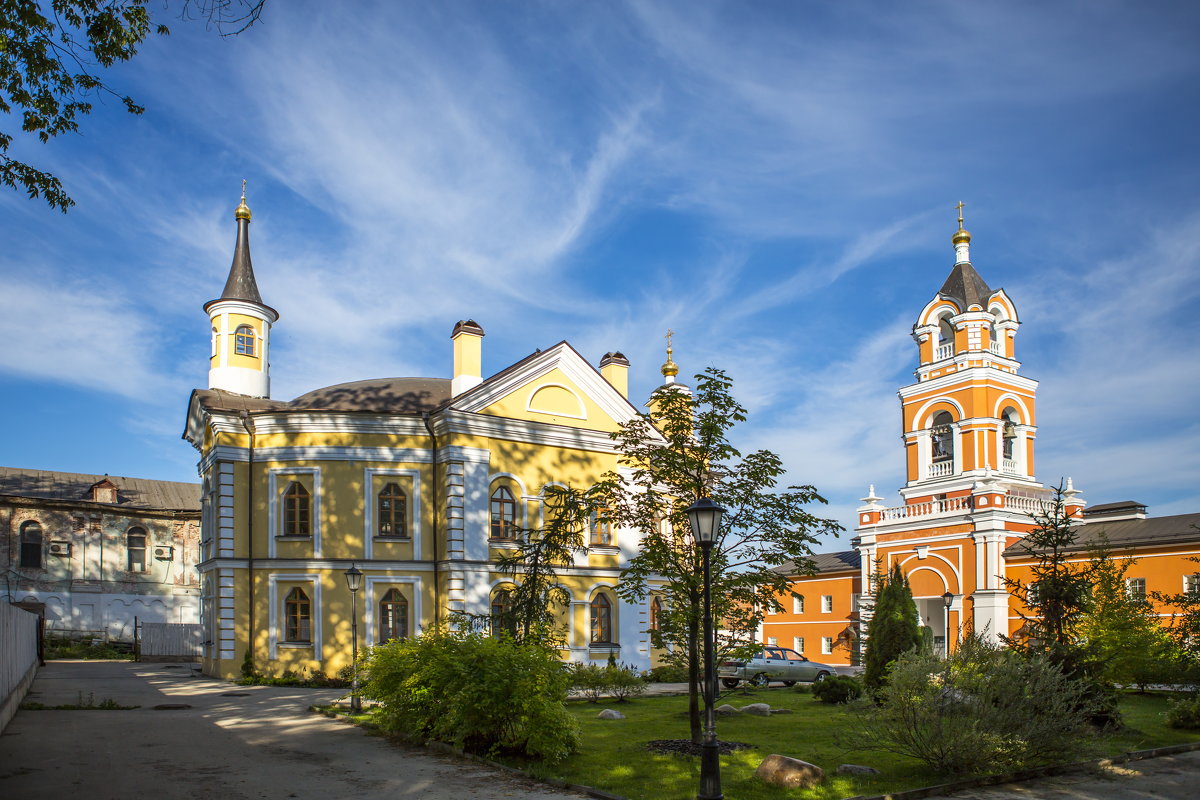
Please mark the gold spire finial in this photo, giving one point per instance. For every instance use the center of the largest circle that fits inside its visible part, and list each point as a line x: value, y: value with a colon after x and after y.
x: 670, y: 369
x: 243, y: 210
x: 961, y: 235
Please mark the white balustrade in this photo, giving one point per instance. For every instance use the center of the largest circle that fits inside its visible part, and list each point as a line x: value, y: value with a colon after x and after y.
x: 996, y: 347
x: 943, y: 351
x: 940, y: 469
x: 1010, y: 466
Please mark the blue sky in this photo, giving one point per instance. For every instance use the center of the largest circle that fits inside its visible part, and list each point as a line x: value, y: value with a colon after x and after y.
x: 773, y: 181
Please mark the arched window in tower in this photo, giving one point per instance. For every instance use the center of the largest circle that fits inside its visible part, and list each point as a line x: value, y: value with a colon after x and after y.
x: 135, y: 546
x: 942, y: 438
x: 997, y: 344
x: 504, y: 514
x: 297, y: 617
x: 393, y: 616
x: 393, y: 512
x: 945, y: 347
x: 296, y: 511
x: 1008, y: 434
x: 503, y: 620
x: 656, y: 609
x: 601, y: 618
x: 31, y: 545
x: 243, y: 341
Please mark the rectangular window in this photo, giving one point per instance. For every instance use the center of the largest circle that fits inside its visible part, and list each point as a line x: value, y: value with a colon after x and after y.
x: 797, y: 605
x: 1135, y: 588
x: 1191, y: 584
x: 827, y: 645
x: 601, y: 533
x: 798, y: 644
x: 826, y: 604
x: 773, y: 641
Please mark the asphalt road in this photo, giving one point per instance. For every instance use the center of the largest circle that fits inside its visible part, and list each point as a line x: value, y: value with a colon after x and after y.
x: 262, y: 744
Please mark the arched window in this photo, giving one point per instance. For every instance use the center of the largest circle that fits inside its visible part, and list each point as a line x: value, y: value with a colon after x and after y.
x: 393, y: 616
x: 298, y: 617
x: 393, y: 512
x: 1008, y: 432
x: 214, y: 343
x: 135, y: 546
x: 244, y: 341
x: 601, y: 528
x: 943, y: 437
x: 504, y: 514
x: 503, y: 620
x: 31, y: 545
x: 945, y: 347
x: 601, y: 619
x: 296, y: 511
x: 656, y: 609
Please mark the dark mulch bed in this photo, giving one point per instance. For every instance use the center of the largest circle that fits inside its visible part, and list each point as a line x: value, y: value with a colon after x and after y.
x: 685, y: 747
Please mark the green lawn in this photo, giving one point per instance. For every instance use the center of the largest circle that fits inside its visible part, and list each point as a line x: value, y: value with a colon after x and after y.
x: 613, y: 754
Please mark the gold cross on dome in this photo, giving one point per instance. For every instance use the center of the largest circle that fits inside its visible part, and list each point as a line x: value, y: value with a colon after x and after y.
x: 243, y: 189
x: 670, y: 333
x: 960, y: 216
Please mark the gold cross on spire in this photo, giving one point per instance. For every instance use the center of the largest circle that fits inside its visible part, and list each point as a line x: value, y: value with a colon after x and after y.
x: 670, y: 333
x: 960, y: 216
x: 243, y: 189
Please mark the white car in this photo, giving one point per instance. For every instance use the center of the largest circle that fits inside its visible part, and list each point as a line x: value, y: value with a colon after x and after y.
x: 773, y: 664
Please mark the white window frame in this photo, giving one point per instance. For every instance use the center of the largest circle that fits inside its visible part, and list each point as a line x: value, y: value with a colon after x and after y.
x: 826, y: 604
x: 826, y: 645
x: 797, y: 605
x: 798, y: 644
x: 275, y: 505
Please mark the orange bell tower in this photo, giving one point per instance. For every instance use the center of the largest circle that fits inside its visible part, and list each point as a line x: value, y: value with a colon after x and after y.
x: 969, y: 426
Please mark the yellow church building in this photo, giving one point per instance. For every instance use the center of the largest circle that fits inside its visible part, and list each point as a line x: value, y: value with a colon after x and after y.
x: 969, y: 432
x: 421, y: 483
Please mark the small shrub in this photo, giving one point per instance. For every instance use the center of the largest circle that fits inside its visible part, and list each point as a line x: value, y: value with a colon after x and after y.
x: 483, y: 694
x: 837, y: 690
x: 804, y: 688
x: 588, y: 680
x: 982, y: 710
x: 666, y: 673
x: 1184, y: 712
x: 623, y: 683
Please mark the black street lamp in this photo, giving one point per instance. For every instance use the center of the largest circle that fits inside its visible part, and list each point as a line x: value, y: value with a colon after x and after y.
x: 705, y: 517
x: 353, y: 583
x: 948, y: 598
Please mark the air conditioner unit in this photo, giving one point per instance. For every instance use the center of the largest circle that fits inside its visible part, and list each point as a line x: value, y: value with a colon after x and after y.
x: 60, y: 548
x: 164, y: 552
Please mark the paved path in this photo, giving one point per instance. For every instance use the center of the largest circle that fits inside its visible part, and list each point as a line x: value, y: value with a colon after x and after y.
x: 265, y: 744
x: 1164, y: 778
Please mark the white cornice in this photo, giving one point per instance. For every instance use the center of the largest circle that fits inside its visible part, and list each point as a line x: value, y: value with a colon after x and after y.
x: 519, y: 430
x: 970, y: 375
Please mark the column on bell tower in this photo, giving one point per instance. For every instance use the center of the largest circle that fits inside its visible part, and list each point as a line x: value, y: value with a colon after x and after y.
x: 240, y: 323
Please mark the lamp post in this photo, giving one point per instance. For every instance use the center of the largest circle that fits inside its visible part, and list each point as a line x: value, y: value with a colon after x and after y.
x: 948, y: 598
x: 705, y: 518
x: 353, y: 582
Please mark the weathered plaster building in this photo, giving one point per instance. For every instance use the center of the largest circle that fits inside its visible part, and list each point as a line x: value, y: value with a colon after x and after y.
x: 98, y: 550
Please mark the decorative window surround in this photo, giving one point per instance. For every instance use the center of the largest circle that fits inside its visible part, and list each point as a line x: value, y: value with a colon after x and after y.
x: 371, y: 504
x: 274, y: 640
x: 274, y: 514
x: 415, y: 590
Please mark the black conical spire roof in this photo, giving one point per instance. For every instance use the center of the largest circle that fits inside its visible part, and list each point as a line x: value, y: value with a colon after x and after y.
x: 241, y: 284
x: 965, y: 285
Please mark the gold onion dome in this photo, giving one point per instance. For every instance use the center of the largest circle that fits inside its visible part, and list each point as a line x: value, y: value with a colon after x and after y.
x: 670, y: 369
x: 961, y: 235
x: 243, y: 210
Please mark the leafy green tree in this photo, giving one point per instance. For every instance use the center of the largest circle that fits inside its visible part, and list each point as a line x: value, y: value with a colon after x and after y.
x: 672, y: 457
x: 533, y: 566
x: 894, y: 629
x: 51, y: 52
x: 1122, y: 630
x: 1185, y: 630
x: 1056, y: 604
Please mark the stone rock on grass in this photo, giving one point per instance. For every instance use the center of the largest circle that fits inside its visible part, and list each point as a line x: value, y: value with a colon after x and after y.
x: 788, y: 772
x: 726, y: 709
x: 856, y: 769
x: 757, y: 710
x: 608, y: 713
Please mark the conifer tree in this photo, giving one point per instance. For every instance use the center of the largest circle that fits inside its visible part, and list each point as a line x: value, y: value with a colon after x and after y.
x: 894, y: 629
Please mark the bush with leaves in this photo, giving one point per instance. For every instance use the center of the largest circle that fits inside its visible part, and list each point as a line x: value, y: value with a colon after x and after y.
x: 1184, y: 712
x: 484, y: 694
x: 984, y: 709
x: 837, y: 689
x: 666, y: 673
x: 614, y: 680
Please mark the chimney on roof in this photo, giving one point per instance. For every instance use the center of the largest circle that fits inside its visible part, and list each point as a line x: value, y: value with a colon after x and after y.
x: 468, y: 356
x: 615, y: 369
